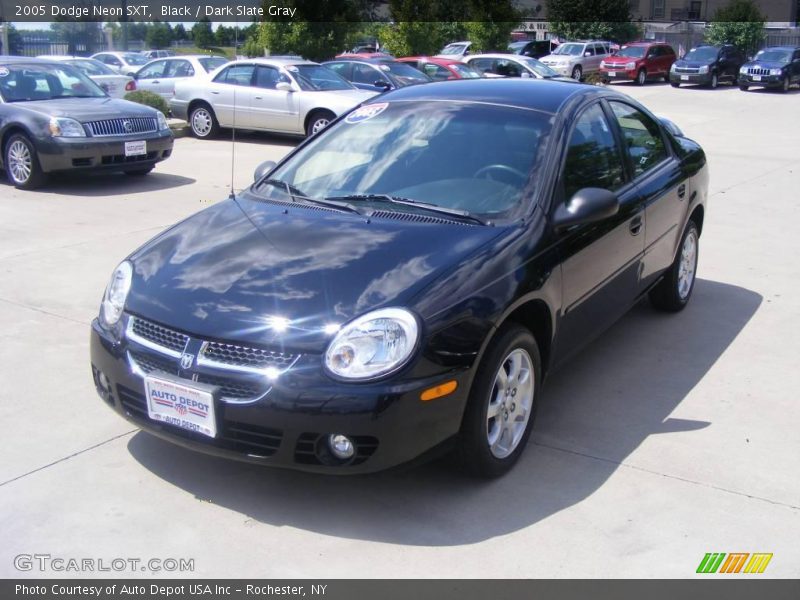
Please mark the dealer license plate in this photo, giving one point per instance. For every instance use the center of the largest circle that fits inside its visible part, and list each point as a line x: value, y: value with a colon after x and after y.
x: 612, y: 74
x: 180, y: 405
x: 136, y: 148
x: 684, y: 78
x: 756, y: 77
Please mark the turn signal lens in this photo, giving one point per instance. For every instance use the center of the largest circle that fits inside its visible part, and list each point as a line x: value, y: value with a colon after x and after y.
x: 443, y: 389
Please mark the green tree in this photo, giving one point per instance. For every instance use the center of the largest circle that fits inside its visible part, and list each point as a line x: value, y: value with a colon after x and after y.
x: 592, y: 19
x: 159, y: 35
x: 202, y: 35
x: 739, y: 23
x: 179, y: 33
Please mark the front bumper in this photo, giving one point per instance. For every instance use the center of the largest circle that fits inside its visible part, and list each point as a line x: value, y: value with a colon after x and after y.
x: 561, y: 68
x: 107, y: 153
x: 289, y: 425
x: 690, y: 78
x: 768, y: 81
x: 618, y: 74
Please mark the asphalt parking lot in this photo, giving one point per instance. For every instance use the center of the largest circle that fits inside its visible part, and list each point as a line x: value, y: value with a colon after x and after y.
x: 669, y: 437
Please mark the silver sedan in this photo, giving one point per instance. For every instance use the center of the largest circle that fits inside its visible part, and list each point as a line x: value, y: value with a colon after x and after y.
x: 161, y: 75
x: 114, y: 84
x: 284, y: 95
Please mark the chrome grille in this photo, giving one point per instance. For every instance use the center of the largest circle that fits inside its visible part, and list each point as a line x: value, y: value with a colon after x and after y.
x: 127, y: 126
x: 159, y: 334
x: 757, y: 71
x: 694, y: 70
x: 245, y: 356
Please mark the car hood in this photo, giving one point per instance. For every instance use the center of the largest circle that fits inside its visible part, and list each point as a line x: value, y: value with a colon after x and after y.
x: 224, y: 272
x: 558, y: 58
x: 344, y: 98
x: 765, y: 64
x: 88, y: 109
x: 694, y: 63
x: 620, y: 60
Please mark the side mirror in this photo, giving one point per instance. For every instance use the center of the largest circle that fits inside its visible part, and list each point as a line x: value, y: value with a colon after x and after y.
x: 284, y: 86
x: 587, y: 53
x: 264, y: 168
x: 587, y: 205
x: 384, y: 85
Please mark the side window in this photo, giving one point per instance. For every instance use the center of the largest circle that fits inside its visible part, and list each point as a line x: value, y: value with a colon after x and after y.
x: 589, y: 48
x: 482, y: 64
x: 593, y: 159
x: 508, y: 68
x: 344, y: 69
x: 267, y: 77
x: 436, y: 72
x: 642, y: 136
x: 180, y: 68
x: 366, y: 74
x: 236, y: 75
x: 600, y: 49
x: 153, y: 70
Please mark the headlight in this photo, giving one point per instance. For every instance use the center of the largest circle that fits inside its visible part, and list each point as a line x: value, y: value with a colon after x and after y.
x: 673, y: 67
x: 630, y: 66
x: 116, y: 293
x: 602, y: 64
x: 372, y: 345
x: 162, y: 122
x: 703, y: 69
x: 743, y: 70
x: 63, y: 127
x: 775, y: 71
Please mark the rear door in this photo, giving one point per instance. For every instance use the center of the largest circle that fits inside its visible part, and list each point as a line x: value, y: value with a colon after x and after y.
x: 230, y: 93
x: 178, y: 69
x: 660, y: 185
x: 152, y: 78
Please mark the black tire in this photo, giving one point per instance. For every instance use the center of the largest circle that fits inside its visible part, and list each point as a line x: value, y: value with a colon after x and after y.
x: 203, y: 122
x: 666, y: 77
x: 668, y: 295
x: 317, y: 121
x: 472, y: 448
x: 714, y: 81
x: 22, y: 163
x: 641, y: 77
x: 139, y: 172
x: 785, y: 85
x: 675, y: 84
x: 577, y: 73
x: 744, y: 87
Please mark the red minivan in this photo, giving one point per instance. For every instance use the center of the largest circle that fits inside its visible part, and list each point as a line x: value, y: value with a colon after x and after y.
x: 639, y: 61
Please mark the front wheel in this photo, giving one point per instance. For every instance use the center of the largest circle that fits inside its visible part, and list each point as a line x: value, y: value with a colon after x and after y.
x: 673, y: 292
x: 139, y: 172
x: 714, y: 81
x: 744, y: 87
x: 641, y: 77
x: 318, y: 121
x: 785, y: 85
x: 502, y: 404
x: 577, y: 73
x: 22, y: 163
x: 675, y: 84
x: 203, y: 122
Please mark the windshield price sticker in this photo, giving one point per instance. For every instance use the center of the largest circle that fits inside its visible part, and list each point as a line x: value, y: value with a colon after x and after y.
x: 366, y: 112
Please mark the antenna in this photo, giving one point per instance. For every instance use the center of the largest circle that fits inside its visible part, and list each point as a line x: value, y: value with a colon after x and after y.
x: 233, y: 129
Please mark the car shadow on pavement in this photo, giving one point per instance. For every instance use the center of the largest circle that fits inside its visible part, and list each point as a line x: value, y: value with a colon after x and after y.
x: 110, y: 184
x: 595, y: 412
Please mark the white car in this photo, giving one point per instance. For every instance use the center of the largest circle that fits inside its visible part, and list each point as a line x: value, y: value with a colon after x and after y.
x: 160, y: 76
x: 124, y: 63
x: 578, y: 59
x: 509, y: 65
x: 456, y: 50
x: 285, y: 95
x: 114, y: 84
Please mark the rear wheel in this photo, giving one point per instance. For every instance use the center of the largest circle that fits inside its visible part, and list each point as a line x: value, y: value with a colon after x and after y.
x: 22, y: 163
x: 641, y: 77
x: 502, y: 405
x: 673, y: 292
x: 203, y: 122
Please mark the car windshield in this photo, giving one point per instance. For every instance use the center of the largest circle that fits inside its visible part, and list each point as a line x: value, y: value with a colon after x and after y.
x: 459, y: 156
x: 91, y: 67
x: 212, y: 62
x: 27, y: 82
x: 316, y: 78
x: 539, y: 68
x: 569, y: 49
x: 453, y: 49
x: 135, y: 59
x: 632, y: 52
x: 405, y: 73
x: 704, y: 53
x: 465, y: 71
x: 779, y: 56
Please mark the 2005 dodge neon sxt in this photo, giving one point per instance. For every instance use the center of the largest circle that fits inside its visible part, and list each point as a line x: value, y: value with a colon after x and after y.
x: 402, y: 282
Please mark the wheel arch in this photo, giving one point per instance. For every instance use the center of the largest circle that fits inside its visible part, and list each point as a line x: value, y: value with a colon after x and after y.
x: 6, y: 135
x: 315, y: 111
x: 698, y: 214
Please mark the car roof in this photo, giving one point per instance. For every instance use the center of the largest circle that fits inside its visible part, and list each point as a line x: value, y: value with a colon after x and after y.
x: 499, y: 55
x: 21, y: 60
x: 432, y: 59
x: 368, y: 60
x: 788, y: 48
x: 536, y: 94
x: 272, y: 61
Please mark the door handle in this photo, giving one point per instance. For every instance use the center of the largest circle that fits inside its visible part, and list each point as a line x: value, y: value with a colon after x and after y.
x: 155, y: 81
x: 213, y: 92
x: 681, y: 190
x: 636, y: 225
x: 258, y: 98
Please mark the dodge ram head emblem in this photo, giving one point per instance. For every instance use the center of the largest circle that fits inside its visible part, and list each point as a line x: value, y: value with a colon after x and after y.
x: 187, y: 360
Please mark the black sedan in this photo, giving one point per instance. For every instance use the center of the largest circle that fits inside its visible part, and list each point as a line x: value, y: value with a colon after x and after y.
x: 54, y: 118
x: 403, y: 281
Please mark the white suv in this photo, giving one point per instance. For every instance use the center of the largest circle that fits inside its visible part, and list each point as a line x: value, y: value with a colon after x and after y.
x: 577, y: 59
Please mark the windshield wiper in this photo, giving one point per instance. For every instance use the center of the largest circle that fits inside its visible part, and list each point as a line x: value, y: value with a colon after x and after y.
x: 464, y: 215
x: 295, y: 194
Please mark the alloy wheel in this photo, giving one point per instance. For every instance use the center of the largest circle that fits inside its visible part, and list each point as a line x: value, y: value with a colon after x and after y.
x: 20, y: 161
x: 319, y: 125
x: 202, y: 122
x: 688, y: 265
x: 510, y: 404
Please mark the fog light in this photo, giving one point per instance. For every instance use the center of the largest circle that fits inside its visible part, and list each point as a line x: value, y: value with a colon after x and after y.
x: 341, y: 446
x: 104, y: 382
